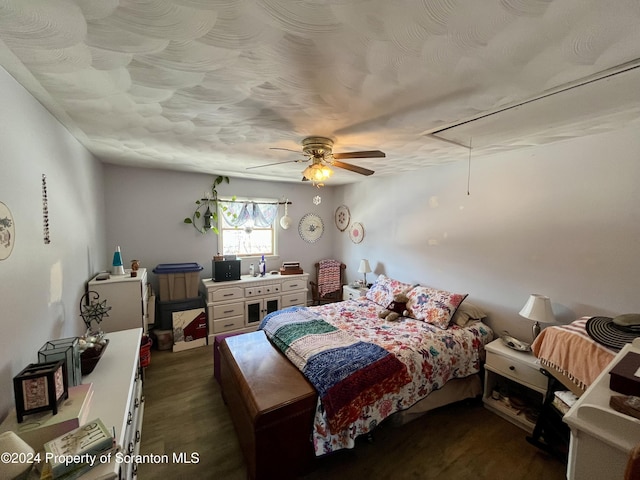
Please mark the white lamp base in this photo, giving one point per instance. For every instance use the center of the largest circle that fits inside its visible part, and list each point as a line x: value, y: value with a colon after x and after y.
x: 535, y: 330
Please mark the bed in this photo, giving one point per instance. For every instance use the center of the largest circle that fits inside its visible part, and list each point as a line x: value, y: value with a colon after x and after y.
x: 365, y: 369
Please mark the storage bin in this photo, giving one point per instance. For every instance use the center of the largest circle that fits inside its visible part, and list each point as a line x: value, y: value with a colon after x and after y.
x: 178, y: 281
x: 163, y: 339
x: 164, y: 310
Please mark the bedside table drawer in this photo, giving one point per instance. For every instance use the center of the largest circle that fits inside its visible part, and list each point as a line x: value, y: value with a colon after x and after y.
x: 518, y: 371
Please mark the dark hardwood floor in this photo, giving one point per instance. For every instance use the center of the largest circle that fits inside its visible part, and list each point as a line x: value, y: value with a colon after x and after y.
x: 184, y: 416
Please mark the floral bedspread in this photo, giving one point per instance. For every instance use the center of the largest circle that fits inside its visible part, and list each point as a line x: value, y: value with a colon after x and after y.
x: 431, y: 355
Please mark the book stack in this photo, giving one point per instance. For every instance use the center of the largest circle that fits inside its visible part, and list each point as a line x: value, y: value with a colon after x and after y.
x: 563, y: 400
x: 73, y: 454
x: 38, y: 428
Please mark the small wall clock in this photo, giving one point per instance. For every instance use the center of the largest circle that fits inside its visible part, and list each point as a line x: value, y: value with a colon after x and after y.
x: 310, y: 227
x: 356, y: 232
x: 343, y: 217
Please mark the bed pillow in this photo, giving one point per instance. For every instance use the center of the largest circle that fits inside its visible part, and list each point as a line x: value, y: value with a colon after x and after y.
x: 467, y: 311
x: 384, y: 289
x: 433, y: 306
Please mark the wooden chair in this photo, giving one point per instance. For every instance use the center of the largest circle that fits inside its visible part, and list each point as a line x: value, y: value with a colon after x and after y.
x: 319, y: 291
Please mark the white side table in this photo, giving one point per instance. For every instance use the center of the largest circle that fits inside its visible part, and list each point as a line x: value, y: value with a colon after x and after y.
x: 351, y: 293
x: 508, y: 370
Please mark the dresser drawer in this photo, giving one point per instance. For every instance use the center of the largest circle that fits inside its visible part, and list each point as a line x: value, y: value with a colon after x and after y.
x: 518, y: 371
x: 228, y: 310
x: 293, y: 284
x: 226, y: 324
x: 256, y: 291
x: 228, y: 293
x: 290, y: 299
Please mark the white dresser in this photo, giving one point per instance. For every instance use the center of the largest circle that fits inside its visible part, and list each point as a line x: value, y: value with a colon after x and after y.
x: 601, y: 437
x: 240, y: 305
x: 127, y: 297
x: 118, y: 401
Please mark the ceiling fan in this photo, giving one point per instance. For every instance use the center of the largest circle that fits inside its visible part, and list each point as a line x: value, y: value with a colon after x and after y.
x: 319, y: 150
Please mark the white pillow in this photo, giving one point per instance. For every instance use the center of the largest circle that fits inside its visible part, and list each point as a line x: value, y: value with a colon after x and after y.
x: 467, y: 311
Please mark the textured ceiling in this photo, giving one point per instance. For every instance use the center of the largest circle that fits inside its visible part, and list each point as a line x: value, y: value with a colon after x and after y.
x: 211, y: 85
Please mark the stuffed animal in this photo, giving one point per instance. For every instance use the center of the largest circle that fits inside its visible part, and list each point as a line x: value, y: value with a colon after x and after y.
x: 396, y: 309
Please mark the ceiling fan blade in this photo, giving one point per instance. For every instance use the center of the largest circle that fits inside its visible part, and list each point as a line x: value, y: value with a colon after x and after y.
x: 353, y: 168
x: 281, y: 148
x: 276, y: 163
x: 366, y: 154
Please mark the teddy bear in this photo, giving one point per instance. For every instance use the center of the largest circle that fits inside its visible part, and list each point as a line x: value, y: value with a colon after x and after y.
x: 396, y: 309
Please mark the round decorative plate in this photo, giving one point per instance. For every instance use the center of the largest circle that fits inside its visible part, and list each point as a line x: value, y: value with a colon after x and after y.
x: 310, y: 227
x: 343, y: 217
x: 7, y: 231
x: 356, y: 232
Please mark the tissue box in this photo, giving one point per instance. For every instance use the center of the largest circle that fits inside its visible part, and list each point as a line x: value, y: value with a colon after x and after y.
x: 623, y: 379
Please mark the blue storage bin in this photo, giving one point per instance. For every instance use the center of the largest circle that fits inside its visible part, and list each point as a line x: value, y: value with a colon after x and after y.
x: 178, y: 281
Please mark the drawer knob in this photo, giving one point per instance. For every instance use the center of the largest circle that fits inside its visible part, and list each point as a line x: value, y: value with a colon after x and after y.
x: 512, y: 368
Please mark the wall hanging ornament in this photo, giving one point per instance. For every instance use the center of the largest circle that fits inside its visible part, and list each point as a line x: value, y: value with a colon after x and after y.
x: 285, y: 221
x: 310, y: 227
x: 317, y: 199
x: 7, y: 231
x: 342, y: 217
x: 356, y: 232
x: 45, y: 211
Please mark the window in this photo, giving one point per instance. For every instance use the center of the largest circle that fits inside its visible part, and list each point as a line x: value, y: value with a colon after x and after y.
x: 246, y: 227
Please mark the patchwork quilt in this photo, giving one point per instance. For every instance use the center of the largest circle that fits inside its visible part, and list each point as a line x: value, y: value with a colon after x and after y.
x: 365, y: 368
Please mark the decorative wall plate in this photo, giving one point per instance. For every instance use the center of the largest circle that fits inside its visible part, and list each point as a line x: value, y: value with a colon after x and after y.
x: 356, y: 232
x: 7, y: 231
x: 310, y: 227
x: 343, y: 217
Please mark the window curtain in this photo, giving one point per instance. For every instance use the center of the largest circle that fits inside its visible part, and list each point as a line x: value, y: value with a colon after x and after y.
x: 238, y: 214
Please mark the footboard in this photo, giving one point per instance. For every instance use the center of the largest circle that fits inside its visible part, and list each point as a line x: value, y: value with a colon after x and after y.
x: 271, y: 404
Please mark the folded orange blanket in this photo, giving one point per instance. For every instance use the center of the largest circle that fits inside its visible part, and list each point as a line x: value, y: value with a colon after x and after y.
x: 570, y: 349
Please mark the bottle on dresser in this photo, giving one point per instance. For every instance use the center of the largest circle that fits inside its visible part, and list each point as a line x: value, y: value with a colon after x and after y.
x: 262, y: 267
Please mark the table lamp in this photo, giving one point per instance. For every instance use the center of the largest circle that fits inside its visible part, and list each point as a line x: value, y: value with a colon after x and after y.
x: 364, y: 268
x: 538, y: 309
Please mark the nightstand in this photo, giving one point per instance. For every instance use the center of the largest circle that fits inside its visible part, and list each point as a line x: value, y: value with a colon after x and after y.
x: 514, y: 386
x: 350, y: 292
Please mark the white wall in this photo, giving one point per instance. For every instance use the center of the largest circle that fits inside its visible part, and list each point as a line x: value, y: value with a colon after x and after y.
x: 146, y: 208
x: 560, y: 220
x: 42, y: 284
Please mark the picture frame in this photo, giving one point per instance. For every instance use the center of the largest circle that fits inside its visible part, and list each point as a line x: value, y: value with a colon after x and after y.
x: 40, y: 387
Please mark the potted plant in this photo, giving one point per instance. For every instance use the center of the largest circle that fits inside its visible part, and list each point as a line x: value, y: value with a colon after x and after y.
x: 207, y: 209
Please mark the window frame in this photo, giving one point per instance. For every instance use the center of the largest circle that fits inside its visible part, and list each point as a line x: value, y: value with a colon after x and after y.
x: 224, y: 226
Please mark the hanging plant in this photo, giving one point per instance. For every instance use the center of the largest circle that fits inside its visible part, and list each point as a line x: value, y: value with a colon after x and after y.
x: 205, y: 216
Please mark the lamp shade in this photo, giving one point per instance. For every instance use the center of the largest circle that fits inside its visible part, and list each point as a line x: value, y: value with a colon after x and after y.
x: 364, y: 266
x: 538, y: 309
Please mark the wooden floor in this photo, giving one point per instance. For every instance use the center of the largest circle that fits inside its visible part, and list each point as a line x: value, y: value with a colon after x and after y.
x: 184, y: 415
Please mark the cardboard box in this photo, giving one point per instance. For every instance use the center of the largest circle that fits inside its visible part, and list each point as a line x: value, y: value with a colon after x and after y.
x: 39, y: 428
x: 623, y: 375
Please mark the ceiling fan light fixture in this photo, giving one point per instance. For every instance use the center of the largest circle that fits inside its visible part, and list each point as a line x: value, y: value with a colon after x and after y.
x: 317, y: 172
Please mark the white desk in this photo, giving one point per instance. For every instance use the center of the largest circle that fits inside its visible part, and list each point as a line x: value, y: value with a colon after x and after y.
x: 601, y: 437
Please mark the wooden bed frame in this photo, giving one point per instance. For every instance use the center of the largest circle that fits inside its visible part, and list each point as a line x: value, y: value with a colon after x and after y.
x: 272, y: 405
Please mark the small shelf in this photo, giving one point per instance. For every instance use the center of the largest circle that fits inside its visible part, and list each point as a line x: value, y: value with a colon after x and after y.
x: 509, y: 413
